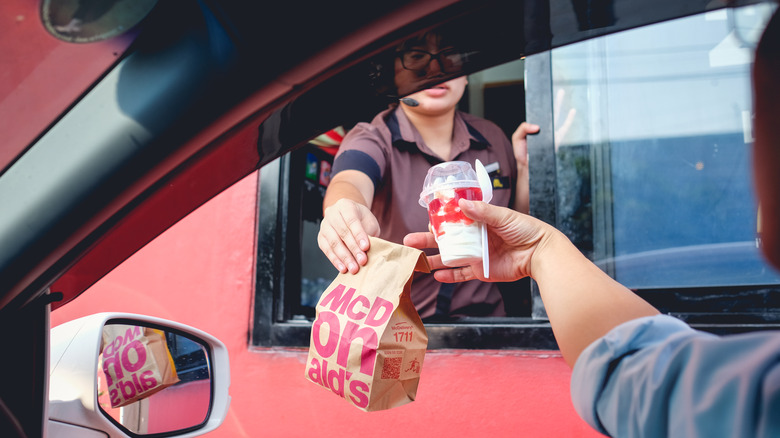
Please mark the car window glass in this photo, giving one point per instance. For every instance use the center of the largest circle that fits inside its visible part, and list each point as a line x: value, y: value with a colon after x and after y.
x: 653, y: 148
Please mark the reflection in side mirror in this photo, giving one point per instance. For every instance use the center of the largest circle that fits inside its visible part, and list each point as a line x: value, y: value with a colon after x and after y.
x: 135, y: 375
x: 152, y: 381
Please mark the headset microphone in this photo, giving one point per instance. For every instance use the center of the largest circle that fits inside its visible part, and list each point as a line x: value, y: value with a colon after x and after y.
x: 409, y: 101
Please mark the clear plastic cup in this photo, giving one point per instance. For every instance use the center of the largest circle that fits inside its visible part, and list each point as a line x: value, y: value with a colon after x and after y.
x: 459, y: 238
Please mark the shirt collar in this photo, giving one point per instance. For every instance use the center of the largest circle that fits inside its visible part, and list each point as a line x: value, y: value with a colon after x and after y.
x: 405, y: 135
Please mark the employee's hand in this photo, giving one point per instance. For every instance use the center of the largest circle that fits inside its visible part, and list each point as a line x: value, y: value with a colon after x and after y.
x: 520, y: 148
x: 520, y: 144
x: 513, y: 239
x: 344, y: 232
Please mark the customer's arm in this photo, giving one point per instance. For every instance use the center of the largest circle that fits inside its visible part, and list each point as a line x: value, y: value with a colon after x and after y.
x: 582, y: 302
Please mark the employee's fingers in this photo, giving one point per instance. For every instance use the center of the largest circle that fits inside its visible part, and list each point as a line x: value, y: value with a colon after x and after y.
x: 359, y: 223
x: 333, y: 248
x: 344, y: 234
x: 334, y: 240
x: 523, y: 130
x: 365, y: 227
x: 351, y: 234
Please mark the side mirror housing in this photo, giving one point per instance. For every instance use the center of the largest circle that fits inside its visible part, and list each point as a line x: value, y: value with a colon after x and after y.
x: 134, y: 375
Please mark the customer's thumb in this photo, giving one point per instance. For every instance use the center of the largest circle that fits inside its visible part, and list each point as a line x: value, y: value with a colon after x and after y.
x: 494, y: 216
x: 476, y: 210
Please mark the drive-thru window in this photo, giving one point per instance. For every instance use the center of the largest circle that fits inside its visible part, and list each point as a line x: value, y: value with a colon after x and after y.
x: 643, y: 160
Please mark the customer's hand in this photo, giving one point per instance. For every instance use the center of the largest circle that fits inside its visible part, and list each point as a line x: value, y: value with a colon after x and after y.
x: 513, y: 240
x: 582, y: 302
x: 344, y: 232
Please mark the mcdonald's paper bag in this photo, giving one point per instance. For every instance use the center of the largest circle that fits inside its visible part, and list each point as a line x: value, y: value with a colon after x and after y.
x: 367, y: 341
x: 136, y: 363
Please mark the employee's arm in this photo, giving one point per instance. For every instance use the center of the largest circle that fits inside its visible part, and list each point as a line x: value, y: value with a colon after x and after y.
x: 347, y: 220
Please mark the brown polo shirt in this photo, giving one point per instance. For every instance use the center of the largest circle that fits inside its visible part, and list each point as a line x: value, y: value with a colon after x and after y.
x: 392, y: 153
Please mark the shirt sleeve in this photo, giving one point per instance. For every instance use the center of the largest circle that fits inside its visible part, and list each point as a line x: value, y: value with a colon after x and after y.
x: 658, y: 377
x: 362, y: 149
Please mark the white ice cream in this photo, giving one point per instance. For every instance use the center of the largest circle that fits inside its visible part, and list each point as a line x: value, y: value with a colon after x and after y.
x: 460, y: 244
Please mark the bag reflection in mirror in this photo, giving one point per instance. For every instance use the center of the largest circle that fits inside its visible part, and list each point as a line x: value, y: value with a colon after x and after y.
x: 111, y: 358
x: 136, y: 363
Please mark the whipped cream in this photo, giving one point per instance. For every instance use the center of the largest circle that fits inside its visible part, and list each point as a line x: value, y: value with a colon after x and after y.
x: 459, y: 243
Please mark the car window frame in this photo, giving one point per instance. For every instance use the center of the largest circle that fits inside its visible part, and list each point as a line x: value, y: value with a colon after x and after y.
x: 273, y: 322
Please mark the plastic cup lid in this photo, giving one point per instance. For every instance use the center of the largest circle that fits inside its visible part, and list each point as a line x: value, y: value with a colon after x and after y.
x: 447, y: 175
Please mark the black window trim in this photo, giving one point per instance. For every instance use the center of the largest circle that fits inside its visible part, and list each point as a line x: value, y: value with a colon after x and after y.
x: 272, y: 323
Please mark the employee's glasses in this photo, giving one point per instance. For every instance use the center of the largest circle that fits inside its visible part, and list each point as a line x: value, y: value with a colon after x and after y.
x: 450, y: 60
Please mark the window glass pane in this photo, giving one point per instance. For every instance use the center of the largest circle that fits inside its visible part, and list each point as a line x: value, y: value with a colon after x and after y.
x: 653, y: 151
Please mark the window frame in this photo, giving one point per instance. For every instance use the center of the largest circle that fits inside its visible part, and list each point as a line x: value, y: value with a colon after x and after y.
x: 277, y: 269
x: 273, y: 324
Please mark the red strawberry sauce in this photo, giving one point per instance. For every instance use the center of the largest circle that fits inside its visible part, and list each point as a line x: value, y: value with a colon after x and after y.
x: 445, y: 209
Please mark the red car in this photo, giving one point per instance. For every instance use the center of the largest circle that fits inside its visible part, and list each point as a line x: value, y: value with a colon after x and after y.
x: 121, y: 118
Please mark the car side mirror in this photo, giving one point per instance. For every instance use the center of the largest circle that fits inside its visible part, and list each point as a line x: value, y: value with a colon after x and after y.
x: 134, y: 375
